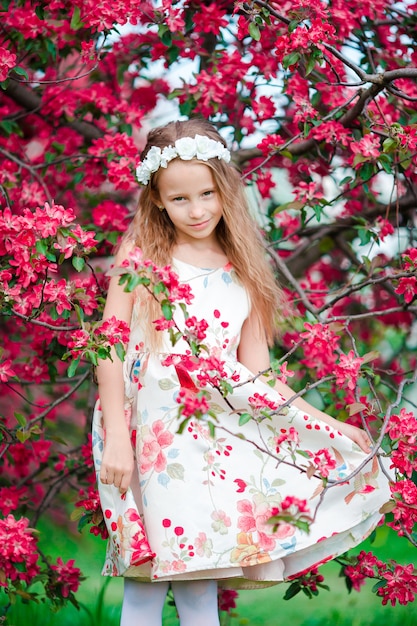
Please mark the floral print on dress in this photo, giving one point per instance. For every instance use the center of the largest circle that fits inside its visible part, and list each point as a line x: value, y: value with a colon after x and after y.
x: 205, y: 501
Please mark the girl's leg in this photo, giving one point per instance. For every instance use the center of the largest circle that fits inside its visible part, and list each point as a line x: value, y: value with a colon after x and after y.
x: 143, y: 603
x: 196, y: 602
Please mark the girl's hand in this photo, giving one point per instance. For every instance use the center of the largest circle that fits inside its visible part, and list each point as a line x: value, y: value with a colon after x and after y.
x: 356, y: 434
x: 118, y: 461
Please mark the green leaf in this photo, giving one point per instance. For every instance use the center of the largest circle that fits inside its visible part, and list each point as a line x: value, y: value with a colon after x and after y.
x: 39, y: 12
x: 290, y: 59
x: 366, y: 171
x: 386, y: 163
x: 389, y: 144
x: 292, y: 590
x: 318, y: 211
x: 103, y: 352
x: 21, y: 71
x: 244, y: 418
x: 254, y: 31
x: 23, y: 436
x: 167, y: 309
x: 21, y: 419
x: 120, y: 351
x: 76, y: 22
x: 293, y: 25
x: 73, y: 367
x: 78, y: 262
x: 164, y: 35
x: 9, y: 126
x: 311, y: 64
x: 378, y: 585
x: 346, y: 181
x: 365, y: 236
x: 42, y: 247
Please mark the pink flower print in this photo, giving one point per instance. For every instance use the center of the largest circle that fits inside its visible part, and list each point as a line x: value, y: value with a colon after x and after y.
x: 284, y: 530
x: 151, y: 443
x: 165, y: 567
x: 178, y: 566
x: 255, y: 519
x: 221, y: 522
x: 203, y: 545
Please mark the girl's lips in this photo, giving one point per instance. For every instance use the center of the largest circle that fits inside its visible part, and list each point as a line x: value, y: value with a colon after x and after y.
x: 199, y: 225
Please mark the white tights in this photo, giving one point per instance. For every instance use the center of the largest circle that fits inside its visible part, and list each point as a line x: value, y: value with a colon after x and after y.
x: 196, y: 602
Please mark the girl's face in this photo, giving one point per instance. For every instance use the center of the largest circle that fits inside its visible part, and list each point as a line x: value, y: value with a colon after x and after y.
x: 190, y: 197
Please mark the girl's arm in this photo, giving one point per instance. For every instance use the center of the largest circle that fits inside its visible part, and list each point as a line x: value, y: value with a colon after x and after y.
x: 253, y: 353
x: 118, y: 461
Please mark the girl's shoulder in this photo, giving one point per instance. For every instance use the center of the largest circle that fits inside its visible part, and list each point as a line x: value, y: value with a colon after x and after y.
x: 123, y: 251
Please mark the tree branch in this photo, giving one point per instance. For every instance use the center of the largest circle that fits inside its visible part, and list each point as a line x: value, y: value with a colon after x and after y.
x: 30, y: 101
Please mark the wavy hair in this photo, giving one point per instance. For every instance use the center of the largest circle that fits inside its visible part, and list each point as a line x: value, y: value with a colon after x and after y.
x: 237, y: 232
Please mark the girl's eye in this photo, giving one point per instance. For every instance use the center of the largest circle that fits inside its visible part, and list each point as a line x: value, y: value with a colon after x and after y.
x: 178, y: 199
x: 208, y: 193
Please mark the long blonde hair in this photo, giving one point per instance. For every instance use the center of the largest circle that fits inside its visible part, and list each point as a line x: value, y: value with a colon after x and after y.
x: 238, y: 234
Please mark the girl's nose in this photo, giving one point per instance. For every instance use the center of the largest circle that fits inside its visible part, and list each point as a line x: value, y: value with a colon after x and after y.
x: 196, y: 210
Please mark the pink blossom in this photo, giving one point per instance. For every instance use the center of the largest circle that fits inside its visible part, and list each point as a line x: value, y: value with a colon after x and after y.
x: 196, y: 328
x: 284, y: 372
x: 113, y: 331
x: 10, y: 499
x: 347, y: 370
x: 210, y: 18
x: 7, y: 62
x: 18, y: 551
x: 152, y: 441
x: 368, y: 147
x: 121, y: 173
x: 407, y: 286
x: 254, y: 519
x: 6, y: 370
x: 193, y: 404
x: 401, y: 585
x: 322, y: 461
x: 66, y: 576
x: 162, y: 324
x: 289, y: 436
x: 404, y: 493
x: 261, y: 401
x: 221, y: 522
x: 227, y: 599
x: 385, y: 228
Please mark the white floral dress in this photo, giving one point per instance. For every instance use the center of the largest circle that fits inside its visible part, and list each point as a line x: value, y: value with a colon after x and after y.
x: 205, y: 502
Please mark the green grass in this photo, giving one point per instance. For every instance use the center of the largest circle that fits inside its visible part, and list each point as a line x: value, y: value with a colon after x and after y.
x: 100, y: 598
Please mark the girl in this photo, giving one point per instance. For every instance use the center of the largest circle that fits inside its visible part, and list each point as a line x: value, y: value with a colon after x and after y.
x: 206, y: 500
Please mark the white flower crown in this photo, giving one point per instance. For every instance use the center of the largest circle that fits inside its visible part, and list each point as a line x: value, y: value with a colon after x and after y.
x: 186, y: 148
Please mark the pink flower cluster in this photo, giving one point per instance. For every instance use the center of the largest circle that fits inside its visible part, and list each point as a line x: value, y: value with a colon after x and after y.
x: 7, y: 62
x: 310, y: 579
x: 227, y: 599
x: 196, y: 328
x: 402, y: 430
x: 18, y: 551
x: 400, y: 581
x: 321, y: 462
x: 320, y: 348
x: 260, y: 402
x: 107, y: 333
x: 347, y: 370
x: 193, y: 404
x: 407, y: 286
x: 66, y: 577
x: 404, y: 493
x: 161, y: 279
x: 93, y: 512
x: 291, y: 511
x: 290, y: 437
